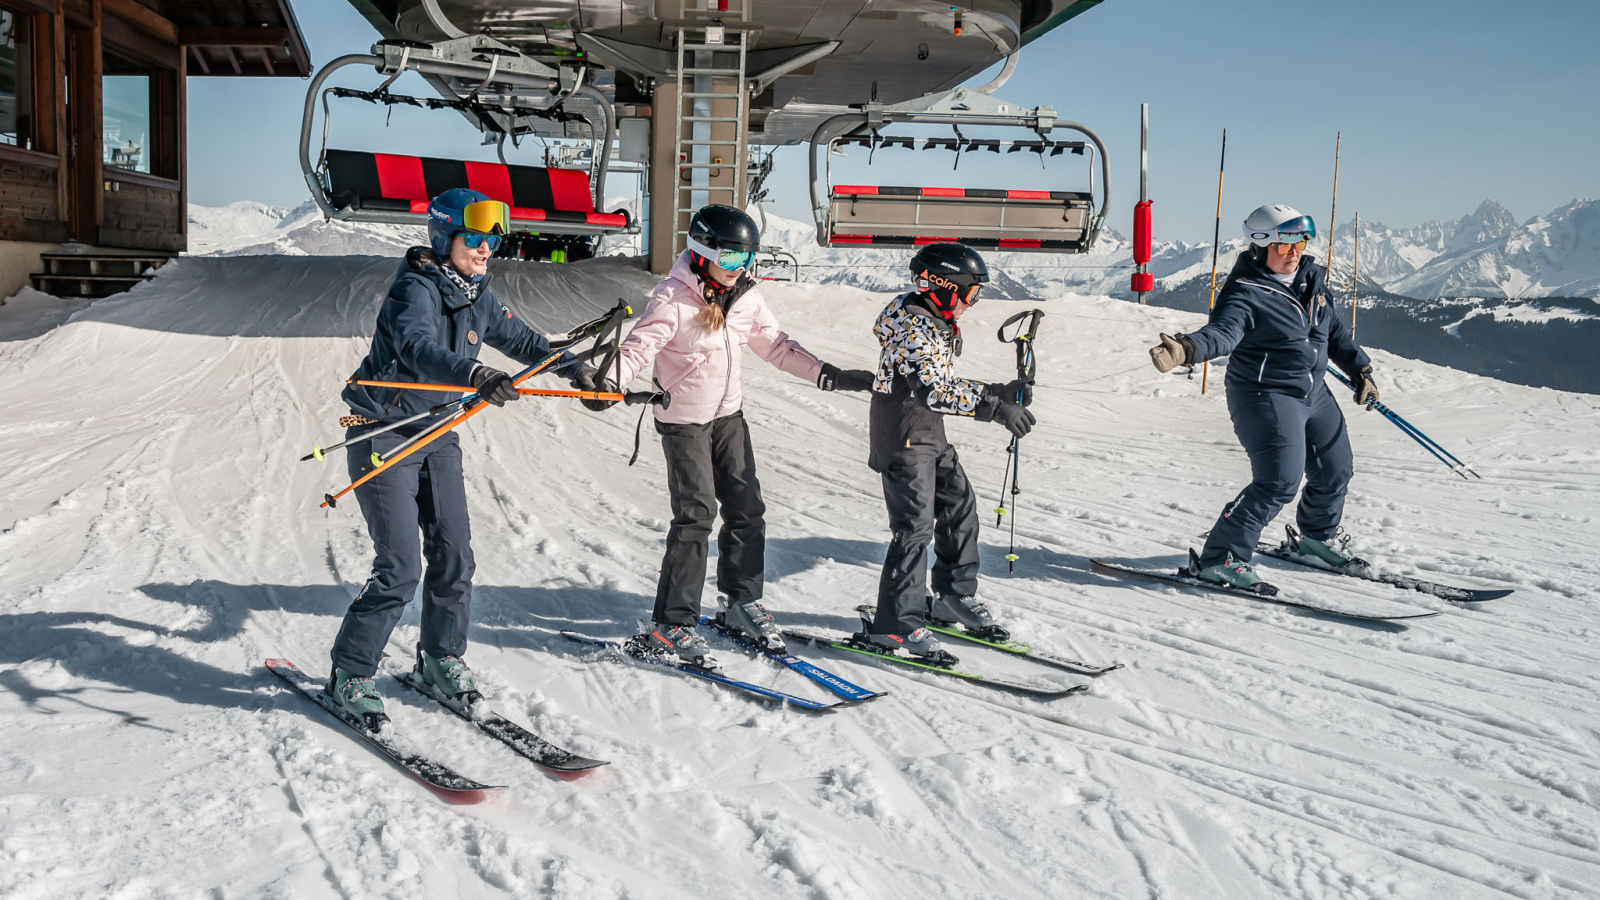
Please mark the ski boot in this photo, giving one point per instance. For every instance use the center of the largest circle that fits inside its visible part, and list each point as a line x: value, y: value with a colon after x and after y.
x: 359, y: 698
x: 1230, y: 573
x: 449, y: 677
x: 969, y: 613
x: 918, y: 646
x: 752, y: 620
x: 1334, y: 552
x: 677, y: 644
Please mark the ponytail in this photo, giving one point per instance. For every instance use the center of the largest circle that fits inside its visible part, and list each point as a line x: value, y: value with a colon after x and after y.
x: 712, y: 316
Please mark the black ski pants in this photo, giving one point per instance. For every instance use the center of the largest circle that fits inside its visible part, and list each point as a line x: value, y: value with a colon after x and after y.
x: 416, y: 510
x: 929, y: 499
x: 707, y: 465
x: 1285, y: 437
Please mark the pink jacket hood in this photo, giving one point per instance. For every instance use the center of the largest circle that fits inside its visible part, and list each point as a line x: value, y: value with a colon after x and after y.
x: 699, y: 366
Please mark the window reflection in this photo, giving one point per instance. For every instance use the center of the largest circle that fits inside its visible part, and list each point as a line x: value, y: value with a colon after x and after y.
x: 126, y: 101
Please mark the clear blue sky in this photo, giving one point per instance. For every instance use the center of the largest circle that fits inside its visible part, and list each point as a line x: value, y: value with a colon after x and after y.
x: 1442, y: 103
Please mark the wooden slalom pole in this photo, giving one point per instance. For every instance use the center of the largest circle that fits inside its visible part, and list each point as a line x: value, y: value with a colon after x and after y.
x: 1216, y: 238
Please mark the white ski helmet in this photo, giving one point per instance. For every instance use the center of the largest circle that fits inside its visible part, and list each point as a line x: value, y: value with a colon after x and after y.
x: 1278, y: 224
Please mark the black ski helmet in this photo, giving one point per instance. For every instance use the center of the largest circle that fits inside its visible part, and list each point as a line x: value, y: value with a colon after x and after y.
x: 718, y: 227
x: 946, y: 273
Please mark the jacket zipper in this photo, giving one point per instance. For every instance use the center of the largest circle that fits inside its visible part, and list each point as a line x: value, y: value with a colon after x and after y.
x: 727, y: 346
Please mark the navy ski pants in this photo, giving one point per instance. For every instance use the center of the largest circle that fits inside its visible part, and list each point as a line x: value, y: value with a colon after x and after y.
x: 1285, y: 437
x: 707, y: 465
x: 929, y: 499
x: 415, y: 511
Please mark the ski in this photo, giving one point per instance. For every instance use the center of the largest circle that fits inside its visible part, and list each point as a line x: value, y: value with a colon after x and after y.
x: 433, y: 773
x: 707, y: 674
x: 850, y: 692
x: 1117, y: 571
x: 1442, y: 591
x: 1041, y: 691
x: 1023, y: 650
x: 520, y: 739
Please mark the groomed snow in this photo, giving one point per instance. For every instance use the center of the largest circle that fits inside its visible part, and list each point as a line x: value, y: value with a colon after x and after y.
x: 161, y: 539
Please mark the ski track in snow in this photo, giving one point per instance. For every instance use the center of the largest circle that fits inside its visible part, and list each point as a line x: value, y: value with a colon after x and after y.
x: 160, y: 540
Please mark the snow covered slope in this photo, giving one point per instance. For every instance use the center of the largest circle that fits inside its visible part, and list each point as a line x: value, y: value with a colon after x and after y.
x: 160, y: 540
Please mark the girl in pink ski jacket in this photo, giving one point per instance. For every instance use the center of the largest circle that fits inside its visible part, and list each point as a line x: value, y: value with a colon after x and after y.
x: 695, y: 329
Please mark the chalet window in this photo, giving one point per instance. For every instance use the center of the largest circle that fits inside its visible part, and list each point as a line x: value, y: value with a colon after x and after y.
x: 126, y: 100
x: 16, y: 79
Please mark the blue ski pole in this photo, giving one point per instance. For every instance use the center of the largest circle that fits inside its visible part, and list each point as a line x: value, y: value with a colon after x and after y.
x: 1415, y: 433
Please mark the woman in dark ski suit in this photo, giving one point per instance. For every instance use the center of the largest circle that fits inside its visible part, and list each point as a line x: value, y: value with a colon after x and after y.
x: 1276, y: 322
x: 437, y: 315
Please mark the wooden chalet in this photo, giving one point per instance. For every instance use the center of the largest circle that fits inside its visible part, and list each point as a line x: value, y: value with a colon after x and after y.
x: 92, y: 127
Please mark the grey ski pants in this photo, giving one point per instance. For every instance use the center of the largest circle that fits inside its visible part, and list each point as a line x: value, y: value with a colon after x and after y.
x: 707, y: 465
x: 415, y: 511
x: 929, y: 500
x: 1285, y: 437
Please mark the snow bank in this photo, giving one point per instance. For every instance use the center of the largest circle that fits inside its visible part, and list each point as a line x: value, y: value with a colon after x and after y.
x: 161, y: 539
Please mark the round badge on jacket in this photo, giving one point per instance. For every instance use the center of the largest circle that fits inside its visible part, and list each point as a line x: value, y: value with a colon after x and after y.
x: 472, y: 337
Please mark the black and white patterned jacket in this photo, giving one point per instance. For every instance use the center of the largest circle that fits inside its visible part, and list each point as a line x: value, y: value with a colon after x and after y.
x: 916, y: 384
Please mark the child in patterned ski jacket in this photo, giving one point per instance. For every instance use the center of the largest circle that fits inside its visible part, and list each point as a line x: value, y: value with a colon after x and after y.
x: 927, y: 492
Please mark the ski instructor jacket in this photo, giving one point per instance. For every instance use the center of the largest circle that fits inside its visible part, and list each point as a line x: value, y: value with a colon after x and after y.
x: 916, y: 385
x: 1278, y: 337
x: 429, y: 331
x: 698, y: 365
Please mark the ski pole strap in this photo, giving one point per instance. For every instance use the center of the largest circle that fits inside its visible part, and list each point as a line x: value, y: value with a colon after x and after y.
x: 659, y: 397
x: 1023, y: 339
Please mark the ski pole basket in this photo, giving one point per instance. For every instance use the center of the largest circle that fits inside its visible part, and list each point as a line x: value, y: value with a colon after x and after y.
x: 1021, y: 219
x: 555, y: 210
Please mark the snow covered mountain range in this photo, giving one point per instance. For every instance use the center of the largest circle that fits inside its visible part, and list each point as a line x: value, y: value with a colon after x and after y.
x: 1486, y: 254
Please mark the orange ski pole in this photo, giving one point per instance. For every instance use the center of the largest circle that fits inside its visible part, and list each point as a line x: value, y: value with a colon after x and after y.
x: 435, y: 434
x: 526, y: 392
x: 599, y: 328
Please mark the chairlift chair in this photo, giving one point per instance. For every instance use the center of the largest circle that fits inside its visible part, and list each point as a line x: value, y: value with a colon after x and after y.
x: 1028, y: 219
x: 776, y: 264
x: 554, y: 211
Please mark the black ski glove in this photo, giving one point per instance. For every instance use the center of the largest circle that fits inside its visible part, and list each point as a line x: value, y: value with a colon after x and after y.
x: 1012, y: 390
x: 494, y: 385
x: 588, y: 379
x: 833, y: 378
x: 1366, y: 393
x: 1017, y: 420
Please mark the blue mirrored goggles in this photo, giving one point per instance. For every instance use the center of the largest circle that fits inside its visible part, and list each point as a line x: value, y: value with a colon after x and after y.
x: 733, y: 260
x: 474, y: 241
x: 1295, y: 231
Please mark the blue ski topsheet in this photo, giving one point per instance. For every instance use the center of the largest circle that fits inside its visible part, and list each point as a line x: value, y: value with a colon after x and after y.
x: 707, y: 674
x: 851, y: 692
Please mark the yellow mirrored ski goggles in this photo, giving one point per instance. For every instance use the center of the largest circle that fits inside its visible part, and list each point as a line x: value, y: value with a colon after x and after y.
x: 486, y: 217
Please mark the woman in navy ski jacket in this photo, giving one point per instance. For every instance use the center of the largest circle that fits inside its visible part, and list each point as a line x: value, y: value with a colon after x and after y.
x: 438, y: 313
x: 1275, y: 321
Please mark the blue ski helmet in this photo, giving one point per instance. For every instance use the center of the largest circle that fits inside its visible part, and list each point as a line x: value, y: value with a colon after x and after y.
x: 463, y: 211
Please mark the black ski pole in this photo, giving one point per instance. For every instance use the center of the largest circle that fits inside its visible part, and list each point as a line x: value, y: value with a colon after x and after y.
x: 1026, y: 368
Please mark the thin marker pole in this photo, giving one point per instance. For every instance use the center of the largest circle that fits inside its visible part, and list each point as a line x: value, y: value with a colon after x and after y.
x: 1338, y: 137
x: 1355, y: 279
x: 1216, y: 239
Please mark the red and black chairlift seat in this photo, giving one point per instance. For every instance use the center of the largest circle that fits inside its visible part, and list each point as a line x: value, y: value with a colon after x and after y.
x: 542, y: 200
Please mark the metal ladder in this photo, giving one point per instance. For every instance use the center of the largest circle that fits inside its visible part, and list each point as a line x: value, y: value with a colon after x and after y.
x: 711, y: 72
